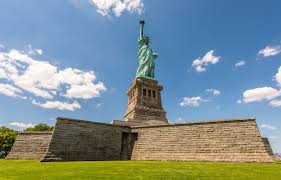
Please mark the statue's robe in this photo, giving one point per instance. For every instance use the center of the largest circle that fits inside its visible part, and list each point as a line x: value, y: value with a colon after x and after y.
x: 146, y: 59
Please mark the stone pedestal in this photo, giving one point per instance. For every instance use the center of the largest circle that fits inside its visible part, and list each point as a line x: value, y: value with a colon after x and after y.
x: 144, y: 103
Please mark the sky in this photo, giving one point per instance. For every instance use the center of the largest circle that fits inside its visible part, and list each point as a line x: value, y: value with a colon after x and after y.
x: 76, y: 58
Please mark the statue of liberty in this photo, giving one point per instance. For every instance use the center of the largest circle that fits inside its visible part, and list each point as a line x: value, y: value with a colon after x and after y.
x: 146, y: 56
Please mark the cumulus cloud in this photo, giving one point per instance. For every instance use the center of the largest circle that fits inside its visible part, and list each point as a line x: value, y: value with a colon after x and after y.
x: 259, y: 94
x: 20, y: 125
x: 270, y: 51
x: 265, y: 93
x: 39, y: 51
x: 240, y: 63
x: 192, y: 101
x: 117, y: 7
x: 179, y: 119
x: 200, y: 64
x: 215, y: 92
x: 275, y: 103
x: 58, y: 105
x: 268, y: 126
x: 31, y: 51
x: 239, y: 101
x: 8, y: 90
x: 99, y: 105
x: 26, y: 74
x: 278, y: 77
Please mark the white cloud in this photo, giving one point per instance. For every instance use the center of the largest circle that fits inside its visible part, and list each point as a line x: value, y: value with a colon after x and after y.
x: 275, y: 103
x: 28, y: 49
x: 268, y: 126
x: 259, y: 94
x: 20, y: 126
x: 278, y: 76
x: 85, y: 91
x: 265, y: 93
x: 11, y: 91
x: 2, y: 46
x: 270, y: 51
x: 99, y: 105
x: 42, y: 79
x: 215, y: 92
x: 39, y: 51
x: 200, y: 69
x: 117, y: 7
x: 58, y: 105
x: 238, y: 101
x: 81, y: 84
x: 240, y: 63
x: 180, y: 119
x: 31, y: 51
x: 192, y: 101
x: 200, y: 64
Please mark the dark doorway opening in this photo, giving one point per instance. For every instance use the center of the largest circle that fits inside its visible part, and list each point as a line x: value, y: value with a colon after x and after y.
x: 127, y: 145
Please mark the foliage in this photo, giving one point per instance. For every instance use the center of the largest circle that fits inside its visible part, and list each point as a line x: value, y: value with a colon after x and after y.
x: 138, y: 170
x: 7, y: 139
x: 40, y: 127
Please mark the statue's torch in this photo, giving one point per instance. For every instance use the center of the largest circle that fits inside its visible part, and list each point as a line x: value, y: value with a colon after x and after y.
x: 142, y: 26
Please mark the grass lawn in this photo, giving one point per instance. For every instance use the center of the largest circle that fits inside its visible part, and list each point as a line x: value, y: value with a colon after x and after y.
x: 10, y: 169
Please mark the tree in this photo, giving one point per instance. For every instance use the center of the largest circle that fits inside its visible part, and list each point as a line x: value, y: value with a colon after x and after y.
x: 7, y: 139
x: 40, y: 127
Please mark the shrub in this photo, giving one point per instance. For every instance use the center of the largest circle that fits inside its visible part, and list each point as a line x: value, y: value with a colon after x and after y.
x: 40, y: 127
x: 7, y: 139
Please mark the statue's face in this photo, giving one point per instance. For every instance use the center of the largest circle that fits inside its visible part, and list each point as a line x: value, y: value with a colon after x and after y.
x: 146, y: 40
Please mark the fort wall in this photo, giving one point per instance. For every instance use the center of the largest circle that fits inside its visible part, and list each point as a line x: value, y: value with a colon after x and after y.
x: 234, y: 141
x: 30, y: 145
x: 268, y: 147
x: 76, y: 140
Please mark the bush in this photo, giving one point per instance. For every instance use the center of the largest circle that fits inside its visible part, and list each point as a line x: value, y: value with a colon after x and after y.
x: 7, y: 139
x: 40, y: 127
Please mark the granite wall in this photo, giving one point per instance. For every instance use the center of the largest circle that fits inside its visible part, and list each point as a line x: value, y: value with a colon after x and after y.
x: 30, y: 145
x: 235, y: 141
x: 76, y: 140
x: 268, y: 147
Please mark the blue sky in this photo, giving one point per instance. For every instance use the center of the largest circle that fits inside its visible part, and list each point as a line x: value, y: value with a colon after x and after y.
x: 76, y: 58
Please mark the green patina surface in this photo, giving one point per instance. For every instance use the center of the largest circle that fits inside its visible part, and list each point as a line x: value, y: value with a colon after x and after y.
x: 146, y: 56
x: 138, y: 170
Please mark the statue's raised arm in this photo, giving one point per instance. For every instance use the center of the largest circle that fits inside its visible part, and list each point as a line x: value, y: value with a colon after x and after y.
x: 141, y: 29
x: 146, y: 56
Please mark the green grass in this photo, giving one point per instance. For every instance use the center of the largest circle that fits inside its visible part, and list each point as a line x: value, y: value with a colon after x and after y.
x: 137, y: 170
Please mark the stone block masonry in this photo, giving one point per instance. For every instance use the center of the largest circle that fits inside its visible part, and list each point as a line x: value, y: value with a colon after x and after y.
x: 233, y: 141
x: 76, y: 140
x: 30, y: 145
x: 267, y: 146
